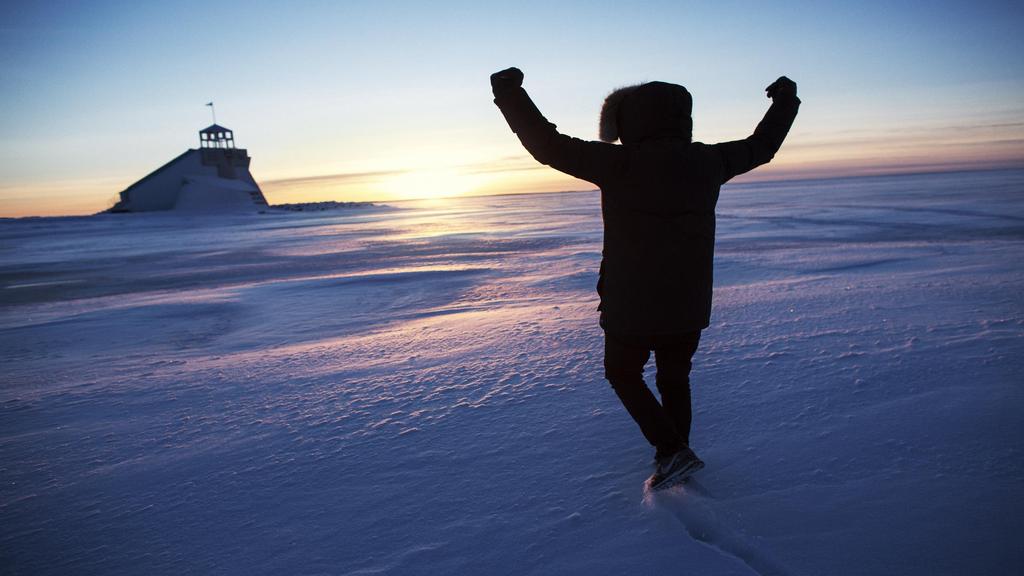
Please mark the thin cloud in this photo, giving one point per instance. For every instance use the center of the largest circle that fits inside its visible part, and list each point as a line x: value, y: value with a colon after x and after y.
x: 342, y: 177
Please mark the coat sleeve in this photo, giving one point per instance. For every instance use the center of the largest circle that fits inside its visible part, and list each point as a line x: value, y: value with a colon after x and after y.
x: 760, y: 147
x: 591, y: 161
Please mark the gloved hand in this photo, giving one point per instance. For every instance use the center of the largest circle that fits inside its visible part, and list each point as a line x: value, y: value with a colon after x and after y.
x: 781, y: 88
x: 506, y: 80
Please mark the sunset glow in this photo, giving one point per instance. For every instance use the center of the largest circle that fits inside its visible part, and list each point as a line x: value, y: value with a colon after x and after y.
x: 362, y: 102
x: 431, y: 183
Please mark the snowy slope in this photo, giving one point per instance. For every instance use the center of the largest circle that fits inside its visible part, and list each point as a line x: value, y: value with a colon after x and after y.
x: 209, y: 194
x: 419, y: 391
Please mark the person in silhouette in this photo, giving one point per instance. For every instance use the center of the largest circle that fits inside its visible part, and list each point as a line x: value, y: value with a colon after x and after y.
x: 658, y: 195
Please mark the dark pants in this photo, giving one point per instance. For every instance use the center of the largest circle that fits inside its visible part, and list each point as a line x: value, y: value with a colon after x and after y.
x: 665, y: 424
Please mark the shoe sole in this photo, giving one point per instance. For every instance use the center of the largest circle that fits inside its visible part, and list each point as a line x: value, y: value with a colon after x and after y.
x: 680, y: 475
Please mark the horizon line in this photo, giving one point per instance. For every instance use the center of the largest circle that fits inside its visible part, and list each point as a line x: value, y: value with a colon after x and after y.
x: 758, y: 182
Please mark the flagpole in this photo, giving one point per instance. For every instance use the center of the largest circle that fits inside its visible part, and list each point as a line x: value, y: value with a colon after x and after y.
x: 212, y: 111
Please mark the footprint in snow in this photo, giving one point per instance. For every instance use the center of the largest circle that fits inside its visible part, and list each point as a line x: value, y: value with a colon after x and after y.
x: 693, y: 505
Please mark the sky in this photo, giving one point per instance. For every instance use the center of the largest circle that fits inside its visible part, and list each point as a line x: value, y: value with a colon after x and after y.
x: 390, y: 100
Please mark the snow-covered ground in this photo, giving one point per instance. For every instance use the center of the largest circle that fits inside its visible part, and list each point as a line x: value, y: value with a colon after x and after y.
x: 418, y: 390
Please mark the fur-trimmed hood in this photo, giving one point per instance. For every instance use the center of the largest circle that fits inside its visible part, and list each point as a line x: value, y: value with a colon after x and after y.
x: 643, y: 111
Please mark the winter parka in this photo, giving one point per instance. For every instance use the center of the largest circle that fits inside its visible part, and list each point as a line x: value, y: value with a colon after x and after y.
x: 658, y: 195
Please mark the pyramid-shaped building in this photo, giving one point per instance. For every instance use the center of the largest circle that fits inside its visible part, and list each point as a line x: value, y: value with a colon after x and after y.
x: 212, y: 178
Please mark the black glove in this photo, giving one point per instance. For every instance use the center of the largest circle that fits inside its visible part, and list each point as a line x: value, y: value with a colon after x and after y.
x: 783, y: 88
x: 507, y: 80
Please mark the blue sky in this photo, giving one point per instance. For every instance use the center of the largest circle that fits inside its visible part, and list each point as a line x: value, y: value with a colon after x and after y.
x: 383, y: 100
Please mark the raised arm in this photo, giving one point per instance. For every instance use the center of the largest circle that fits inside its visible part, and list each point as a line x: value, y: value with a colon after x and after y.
x: 760, y: 147
x: 591, y: 161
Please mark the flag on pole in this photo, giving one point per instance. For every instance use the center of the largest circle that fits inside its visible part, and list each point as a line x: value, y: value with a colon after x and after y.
x: 209, y: 103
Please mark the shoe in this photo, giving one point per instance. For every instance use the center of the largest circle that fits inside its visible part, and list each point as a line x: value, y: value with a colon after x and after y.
x: 674, y: 469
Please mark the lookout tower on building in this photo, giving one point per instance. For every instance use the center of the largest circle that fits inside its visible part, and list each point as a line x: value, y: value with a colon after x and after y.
x: 216, y: 136
x: 212, y: 178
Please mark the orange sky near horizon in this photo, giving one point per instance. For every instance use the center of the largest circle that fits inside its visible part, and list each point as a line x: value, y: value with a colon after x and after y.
x: 990, y: 147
